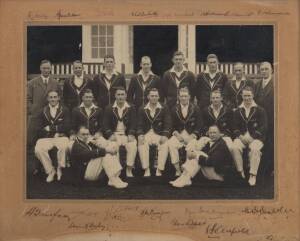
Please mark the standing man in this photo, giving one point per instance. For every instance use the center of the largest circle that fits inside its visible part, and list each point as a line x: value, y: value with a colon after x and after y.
x: 249, y: 130
x: 209, y: 154
x: 106, y: 81
x: 208, y: 81
x: 88, y: 160
x: 177, y: 77
x: 75, y: 86
x: 233, y: 88
x: 141, y: 83
x: 187, y: 125
x: 154, y: 126
x: 119, y: 126
x: 37, y: 90
x: 219, y: 115
x: 53, y: 124
x: 264, y: 96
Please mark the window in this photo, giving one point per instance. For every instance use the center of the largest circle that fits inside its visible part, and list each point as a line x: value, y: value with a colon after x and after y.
x: 102, y: 40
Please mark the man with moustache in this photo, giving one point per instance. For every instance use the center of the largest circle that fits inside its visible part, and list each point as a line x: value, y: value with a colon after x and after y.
x: 233, y: 88
x: 209, y: 80
x: 175, y: 78
x: 119, y: 125
x: 75, y: 86
x: 264, y: 96
x: 141, y: 83
x: 154, y: 126
x: 186, y: 126
x: 106, y: 81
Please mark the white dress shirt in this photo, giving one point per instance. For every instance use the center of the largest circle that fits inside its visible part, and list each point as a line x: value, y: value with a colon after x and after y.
x: 53, y: 110
x: 45, y: 80
x: 120, y: 130
x: 266, y: 81
x: 216, y: 112
x: 178, y: 74
x: 153, y: 111
x: 88, y: 110
x: 78, y: 81
x: 184, y: 110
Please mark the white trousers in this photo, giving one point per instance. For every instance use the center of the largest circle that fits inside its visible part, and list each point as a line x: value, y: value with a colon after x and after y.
x: 110, y: 164
x: 254, y: 154
x: 131, y: 148
x: 152, y: 138
x: 174, y: 145
x: 192, y: 167
x: 44, y: 145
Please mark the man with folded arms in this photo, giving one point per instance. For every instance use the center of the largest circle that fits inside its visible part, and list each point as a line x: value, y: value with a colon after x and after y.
x: 119, y: 125
x: 154, y: 126
x: 209, y: 154
x: 187, y: 125
x: 53, y: 124
x: 141, y: 83
x: 249, y: 130
x: 88, y: 160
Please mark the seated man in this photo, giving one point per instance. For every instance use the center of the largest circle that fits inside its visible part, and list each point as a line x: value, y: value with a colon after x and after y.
x: 119, y: 125
x: 52, y: 127
x: 187, y: 124
x: 220, y: 115
x: 210, y: 154
x: 90, y: 115
x: 154, y: 125
x: 249, y: 128
x: 88, y: 160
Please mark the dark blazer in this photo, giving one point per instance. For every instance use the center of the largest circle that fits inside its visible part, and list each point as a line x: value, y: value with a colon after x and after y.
x: 256, y: 123
x: 59, y: 124
x: 265, y: 98
x: 37, y: 93
x: 232, y: 95
x: 93, y: 122
x: 223, y: 121
x: 81, y: 154
x: 170, y: 90
x: 111, y: 118
x: 161, y: 123
x: 104, y: 96
x: 203, y: 88
x: 71, y: 97
x: 193, y: 123
x: 219, y: 156
x: 137, y: 95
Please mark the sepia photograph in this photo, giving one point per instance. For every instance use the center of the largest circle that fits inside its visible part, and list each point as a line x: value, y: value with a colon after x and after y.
x: 150, y: 112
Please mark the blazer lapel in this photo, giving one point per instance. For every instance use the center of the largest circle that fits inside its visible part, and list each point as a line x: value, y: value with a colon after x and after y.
x: 211, y: 113
x: 47, y: 114
x: 58, y: 113
x: 207, y: 80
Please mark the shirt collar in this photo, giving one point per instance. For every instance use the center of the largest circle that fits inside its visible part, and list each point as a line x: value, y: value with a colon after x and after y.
x: 243, y: 78
x: 207, y: 72
x: 126, y: 105
x: 221, y: 106
x: 252, y: 105
x: 113, y: 72
x: 80, y: 77
x: 92, y: 106
x: 158, y: 106
x: 174, y: 71
x: 54, y: 107
x: 184, y: 107
x: 44, y: 78
x: 268, y: 79
x: 142, y: 73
